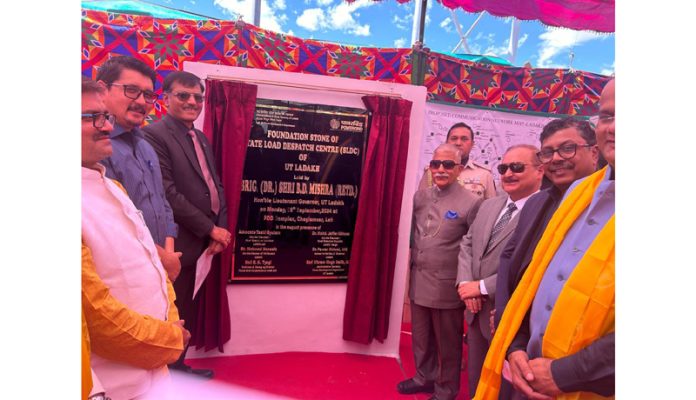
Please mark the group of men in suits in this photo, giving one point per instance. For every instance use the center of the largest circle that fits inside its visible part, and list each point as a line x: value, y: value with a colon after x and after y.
x: 468, y: 258
x: 168, y: 173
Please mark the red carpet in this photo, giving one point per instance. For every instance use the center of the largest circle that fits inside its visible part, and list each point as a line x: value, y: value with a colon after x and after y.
x: 315, y: 376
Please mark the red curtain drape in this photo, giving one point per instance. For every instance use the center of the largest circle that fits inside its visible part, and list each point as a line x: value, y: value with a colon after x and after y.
x: 229, y: 112
x: 373, y: 253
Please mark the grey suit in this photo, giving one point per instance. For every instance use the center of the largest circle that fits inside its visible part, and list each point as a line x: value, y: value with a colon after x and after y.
x: 478, y: 260
x: 441, y: 219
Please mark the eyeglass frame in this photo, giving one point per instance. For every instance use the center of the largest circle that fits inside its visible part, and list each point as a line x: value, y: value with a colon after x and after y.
x: 105, y: 116
x: 510, y: 166
x: 596, y: 120
x: 558, y: 150
x: 441, y: 163
x: 144, y: 93
x: 188, y: 96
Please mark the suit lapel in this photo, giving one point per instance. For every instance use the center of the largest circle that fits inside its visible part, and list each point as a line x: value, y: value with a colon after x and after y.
x: 186, y: 147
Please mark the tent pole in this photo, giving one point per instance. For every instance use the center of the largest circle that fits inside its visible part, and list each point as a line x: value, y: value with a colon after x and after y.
x: 419, y: 21
x: 514, y: 40
x: 257, y: 13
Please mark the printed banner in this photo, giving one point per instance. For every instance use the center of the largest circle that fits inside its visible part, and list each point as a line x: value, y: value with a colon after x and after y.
x: 494, y: 132
x: 299, y: 192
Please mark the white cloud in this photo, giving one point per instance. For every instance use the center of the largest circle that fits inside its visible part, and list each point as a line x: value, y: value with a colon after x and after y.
x: 404, y: 22
x: 446, y: 24
x: 608, y: 70
x: 271, y: 16
x: 339, y: 17
x: 324, y: 2
x: 556, y: 41
x: 311, y: 19
x: 193, y: 2
x: 400, y: 43
x: 521, y: 40
x: 361, y: 30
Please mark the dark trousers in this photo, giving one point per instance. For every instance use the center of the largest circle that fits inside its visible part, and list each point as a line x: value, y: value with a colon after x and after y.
x: 437, y: 348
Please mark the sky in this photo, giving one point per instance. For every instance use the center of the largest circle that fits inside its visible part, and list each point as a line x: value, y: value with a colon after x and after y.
x: 387, y: 23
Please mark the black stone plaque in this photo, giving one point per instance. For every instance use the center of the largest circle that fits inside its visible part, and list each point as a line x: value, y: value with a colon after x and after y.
x: 300, y: 191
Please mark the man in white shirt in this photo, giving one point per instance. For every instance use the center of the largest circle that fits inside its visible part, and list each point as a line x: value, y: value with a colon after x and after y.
x: 521, y: 173
x: 127, y: 298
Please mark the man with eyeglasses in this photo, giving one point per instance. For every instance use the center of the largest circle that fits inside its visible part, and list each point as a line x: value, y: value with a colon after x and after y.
x: 131, y: 327
x: 479, y: 254
x: 130, y: 98
x: 568, y: 152
x: 557, y: 329
x: 442, y: 215
x: 473, y: 177
x: 193, y: 188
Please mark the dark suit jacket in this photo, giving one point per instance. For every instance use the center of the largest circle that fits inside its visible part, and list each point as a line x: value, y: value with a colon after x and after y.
x: 592, y: 368
x: 518, y: 251
x: 441, y: 219
x: 185, y: 186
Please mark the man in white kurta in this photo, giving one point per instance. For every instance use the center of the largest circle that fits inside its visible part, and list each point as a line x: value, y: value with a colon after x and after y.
x: 127, y: 299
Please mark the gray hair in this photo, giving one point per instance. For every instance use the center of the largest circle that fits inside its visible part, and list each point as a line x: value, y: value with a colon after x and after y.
x: 452, y: 149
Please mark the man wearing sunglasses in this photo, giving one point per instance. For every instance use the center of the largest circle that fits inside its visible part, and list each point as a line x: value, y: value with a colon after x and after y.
x: 479, y: 254
x: 561, y: 269
x: 129, y: 98
x: 442, y: 215
x: 193, y: 188
x: 131, y: 331
x: 473, y: 176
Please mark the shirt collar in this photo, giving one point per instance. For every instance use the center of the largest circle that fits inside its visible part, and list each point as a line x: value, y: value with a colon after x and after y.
x: 120, y: 130
x: 92, y: 174
x: 469, y: 164
x: 519, y: 203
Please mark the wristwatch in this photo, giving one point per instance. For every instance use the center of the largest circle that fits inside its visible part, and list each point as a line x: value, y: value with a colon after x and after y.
x: 98, y: 396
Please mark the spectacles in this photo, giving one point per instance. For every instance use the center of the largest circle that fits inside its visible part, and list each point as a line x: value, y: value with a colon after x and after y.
x: 133, y: 92
x: 100, y: 118
x: 448, y: 164
x: 184, y: 96
x: 515, y: 167
x: 565, y: 151
x: 596, y: 120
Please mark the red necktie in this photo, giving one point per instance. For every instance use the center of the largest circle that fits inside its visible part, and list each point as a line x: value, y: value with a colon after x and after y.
x: 214, y: 197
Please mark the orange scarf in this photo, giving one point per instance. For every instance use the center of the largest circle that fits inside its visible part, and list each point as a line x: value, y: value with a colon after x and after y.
x: 584, y: 310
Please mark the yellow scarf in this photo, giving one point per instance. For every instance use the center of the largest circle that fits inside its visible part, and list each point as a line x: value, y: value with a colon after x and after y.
x: 584, y: 310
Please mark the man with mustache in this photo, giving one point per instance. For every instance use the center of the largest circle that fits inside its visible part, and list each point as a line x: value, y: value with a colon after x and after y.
x: 473, y: 177
x: 557, y: 331
x: 130, y: 98
x: 568, y: 153
x: 131, y: 328
x: 520, y: 175
x: 193, y: 189
x: 442, y: 215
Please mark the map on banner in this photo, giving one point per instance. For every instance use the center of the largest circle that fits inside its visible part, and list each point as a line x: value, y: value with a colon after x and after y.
x: 494, y: 132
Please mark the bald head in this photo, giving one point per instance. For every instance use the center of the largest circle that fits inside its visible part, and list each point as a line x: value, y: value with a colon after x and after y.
x: 605, y: 125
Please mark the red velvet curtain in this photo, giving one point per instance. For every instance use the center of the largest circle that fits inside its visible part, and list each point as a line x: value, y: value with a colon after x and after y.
x: 373, y: 253
x: 229, y: 113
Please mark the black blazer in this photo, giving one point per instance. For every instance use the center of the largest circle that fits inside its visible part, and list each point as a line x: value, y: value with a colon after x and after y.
x: 185, y: 186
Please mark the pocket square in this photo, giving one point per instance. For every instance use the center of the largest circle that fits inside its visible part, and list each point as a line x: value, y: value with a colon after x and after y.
x: 451, y: 214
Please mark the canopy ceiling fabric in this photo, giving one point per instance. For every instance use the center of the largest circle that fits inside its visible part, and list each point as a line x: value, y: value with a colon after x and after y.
x: 165, y: 44
x: 581, y: 15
